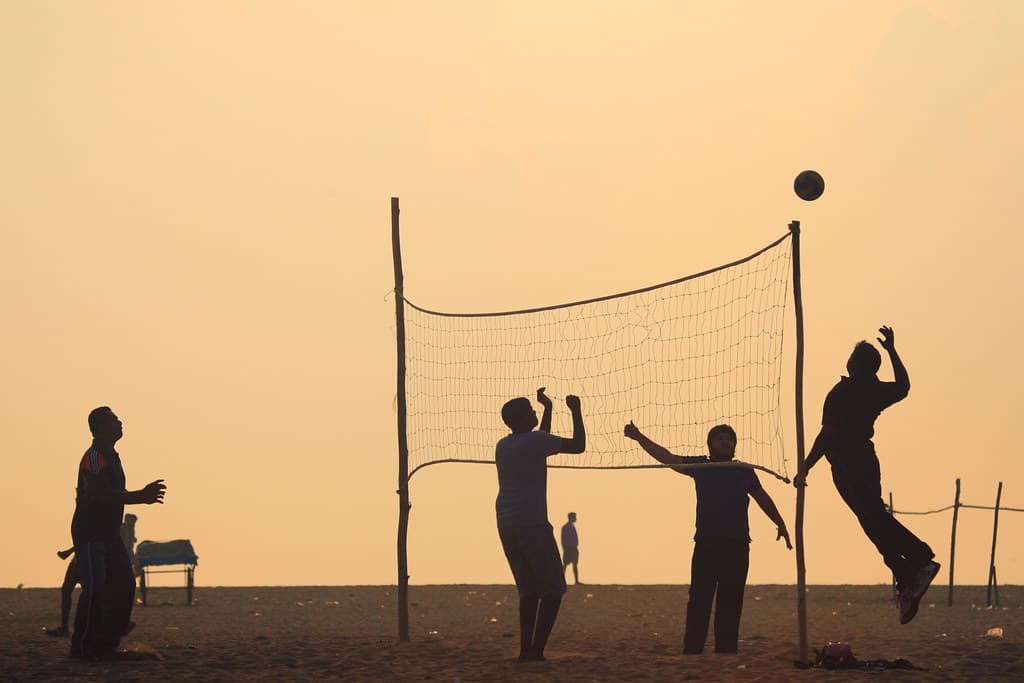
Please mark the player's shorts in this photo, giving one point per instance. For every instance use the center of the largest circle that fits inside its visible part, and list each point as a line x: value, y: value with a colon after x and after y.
x: 533, y: 557
x: 570, y: 555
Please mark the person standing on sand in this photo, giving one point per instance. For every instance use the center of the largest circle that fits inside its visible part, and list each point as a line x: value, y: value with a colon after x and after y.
x: 527, y: 536
x: 721, y: 551
x: 66, y: 590
x: 571, y: 548
x: 104, y: 569
x: 847, y: 426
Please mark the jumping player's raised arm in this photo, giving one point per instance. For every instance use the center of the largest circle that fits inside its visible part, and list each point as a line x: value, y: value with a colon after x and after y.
x: 888, y: 342
x: 578, y: 442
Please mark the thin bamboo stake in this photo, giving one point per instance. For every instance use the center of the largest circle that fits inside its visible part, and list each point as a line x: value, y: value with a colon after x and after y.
x: 992, y: 560
x: 952, y: 541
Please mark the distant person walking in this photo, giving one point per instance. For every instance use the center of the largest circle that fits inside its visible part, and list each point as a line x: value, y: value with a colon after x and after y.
x: 527, y: 536
x: 721, y: 550
x: 571, y: 548
x: 847, y: 426
x: 104, y: 568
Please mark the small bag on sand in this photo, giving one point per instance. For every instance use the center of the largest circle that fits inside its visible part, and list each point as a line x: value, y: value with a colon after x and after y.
x: 835, y: 655
x: 839, y: 655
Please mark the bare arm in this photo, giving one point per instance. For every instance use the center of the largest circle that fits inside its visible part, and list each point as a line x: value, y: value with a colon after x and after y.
x: 888, y: 342
x: 545, y: 419
x: 655, y: 450
x: 152, y: 492
x: 818, y: 449
x: 767, y: 505
x: 578, y: 442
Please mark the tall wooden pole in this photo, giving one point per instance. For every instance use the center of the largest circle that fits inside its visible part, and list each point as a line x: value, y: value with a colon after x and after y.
x: 403, y: 444
x: 992, y: 561
x: 952, y: 541
x: 801, y: 574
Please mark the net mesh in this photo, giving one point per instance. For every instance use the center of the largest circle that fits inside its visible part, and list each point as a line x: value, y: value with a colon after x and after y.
x: 676, y: 358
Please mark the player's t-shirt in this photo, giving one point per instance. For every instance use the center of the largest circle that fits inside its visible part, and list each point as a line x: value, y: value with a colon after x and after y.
x: 853, y: 405
x: 722, y: 499
x: 523, y: 477
x: 95, y: 520
x: 569, y: 537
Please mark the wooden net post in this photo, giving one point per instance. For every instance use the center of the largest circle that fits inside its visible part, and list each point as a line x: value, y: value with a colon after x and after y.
x: 403, y: 444
x: 801, y: 573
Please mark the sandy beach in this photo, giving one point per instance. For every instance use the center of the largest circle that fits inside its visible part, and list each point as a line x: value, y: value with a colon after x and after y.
x: 469, y: 633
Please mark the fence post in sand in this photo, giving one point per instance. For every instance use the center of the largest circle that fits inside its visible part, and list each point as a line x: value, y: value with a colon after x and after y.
x: 992, y: 560
x: 895, y: 589
x: 952, y: 541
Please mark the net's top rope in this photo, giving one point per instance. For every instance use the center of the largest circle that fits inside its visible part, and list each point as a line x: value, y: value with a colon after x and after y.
x: 607, y: 297
x: 676, y: 357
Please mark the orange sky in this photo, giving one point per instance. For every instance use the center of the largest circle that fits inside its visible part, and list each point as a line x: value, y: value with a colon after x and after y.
x: 195, y: 212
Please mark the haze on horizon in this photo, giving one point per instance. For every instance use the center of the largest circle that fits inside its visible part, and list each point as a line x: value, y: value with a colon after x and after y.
x: 195, y: 208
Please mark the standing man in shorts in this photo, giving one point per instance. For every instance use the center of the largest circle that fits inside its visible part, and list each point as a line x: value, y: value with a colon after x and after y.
x: 571, y: 548
x: 527, y: 536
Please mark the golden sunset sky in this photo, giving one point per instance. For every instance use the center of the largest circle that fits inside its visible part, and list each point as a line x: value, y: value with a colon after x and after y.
x: 195, y: 212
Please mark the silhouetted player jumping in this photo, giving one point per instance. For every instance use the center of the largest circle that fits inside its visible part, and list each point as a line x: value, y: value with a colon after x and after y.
x: 527, y: 536
x: 847, y: 425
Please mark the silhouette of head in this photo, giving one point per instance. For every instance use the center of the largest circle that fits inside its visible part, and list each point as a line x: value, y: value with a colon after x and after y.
x: 572, y: 516
x: 519, y: 415
x: 105, y: 425
x: 722, y: 442
x: 864, y: 361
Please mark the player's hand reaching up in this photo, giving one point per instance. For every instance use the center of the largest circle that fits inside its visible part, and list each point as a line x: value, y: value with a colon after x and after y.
x: 888, y: 339
x: 631, y: 431
x: 573, y: 402
x: 542, y: 398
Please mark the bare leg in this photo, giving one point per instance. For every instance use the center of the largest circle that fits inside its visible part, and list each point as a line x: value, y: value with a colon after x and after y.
x: 527, y: 624
x: 66, y: 589
x: 546, y: 615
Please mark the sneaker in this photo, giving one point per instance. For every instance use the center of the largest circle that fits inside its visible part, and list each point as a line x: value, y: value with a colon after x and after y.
x: 910, y: 596
x: 57, y: 632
